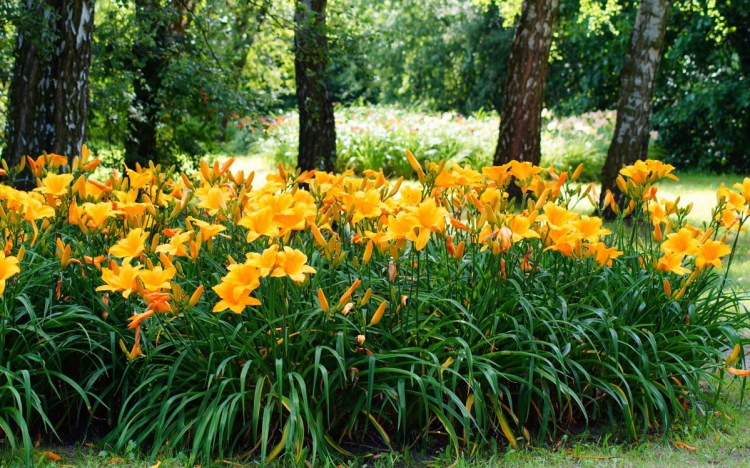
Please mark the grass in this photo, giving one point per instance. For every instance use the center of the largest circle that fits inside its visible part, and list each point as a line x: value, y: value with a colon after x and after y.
x: 721, y: 439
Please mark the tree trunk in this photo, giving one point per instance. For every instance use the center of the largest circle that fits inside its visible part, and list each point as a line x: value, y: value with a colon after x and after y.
x: 317, y: 127
x: 48, y: 98
x: 632, y: 130
x: 523, y: 94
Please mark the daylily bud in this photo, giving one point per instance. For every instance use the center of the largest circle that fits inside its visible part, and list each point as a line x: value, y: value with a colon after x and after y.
x: 366, y: 297
x: 368, y: 252
x: 319, y: 239
x: 196, y: 296
x: 349, y: 291
x: 323, y: 301
x: 392, y: 271
x: 378, y: 314
x: 396, y: 187
x: 460, y: 250
x: 415, y: 165
x: 577, y: 172
x: 667, y: 288
x: 186, y: 181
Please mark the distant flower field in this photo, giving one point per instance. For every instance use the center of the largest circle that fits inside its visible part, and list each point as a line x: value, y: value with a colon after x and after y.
x: 320, y: 314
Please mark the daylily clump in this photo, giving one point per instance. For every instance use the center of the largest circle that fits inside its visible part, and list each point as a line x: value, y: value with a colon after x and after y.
x: 366, y: 271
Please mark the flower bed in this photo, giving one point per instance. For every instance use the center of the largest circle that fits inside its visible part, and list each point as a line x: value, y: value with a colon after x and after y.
x: 324, y: 313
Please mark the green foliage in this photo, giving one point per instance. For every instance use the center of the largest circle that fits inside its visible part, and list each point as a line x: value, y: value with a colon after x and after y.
x: 57, y: 367
x: 702, y: 109
x: 202, y: 86
x: 587, y: 56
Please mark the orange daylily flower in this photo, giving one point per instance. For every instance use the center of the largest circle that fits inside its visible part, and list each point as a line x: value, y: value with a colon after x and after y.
x: 234, y: 298
x: 744, y: 188
x: 590, y: 228
x: 265, y: 262
x: 157, y: 278
x: 602, y: 254
x: 672, y: 262
x: 523, y: 171
x: 55, y: 185
x: 292, y: 263
x: 428, y: 218
x: 8, y: 267
x: 131, y: 246
x: 520, y: 227
x: 710, y: 253
x: 557, y: 216
x: 681, y: 242
x: 96, y: 214
x: 176, y: 245
x: 207, y: 230
x: 365, y: 205
x: 139, y: 179
x: 212, y: 198
x: 260, y: 223
x: 34, y: 209
x: 122, y: 279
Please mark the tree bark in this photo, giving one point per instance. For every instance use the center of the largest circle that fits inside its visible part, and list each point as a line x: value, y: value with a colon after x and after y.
x: 49, y: 90
x: 317, y: 127
x: 523, y: 93
x: 632, y: 129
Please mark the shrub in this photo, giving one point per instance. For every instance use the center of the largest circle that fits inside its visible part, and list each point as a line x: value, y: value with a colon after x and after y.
x: 357, y: 312
x: 377, y: 136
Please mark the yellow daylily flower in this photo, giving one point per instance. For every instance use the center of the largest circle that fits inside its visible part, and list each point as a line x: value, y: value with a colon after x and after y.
x: 260, y: 223
x: 234, y: 298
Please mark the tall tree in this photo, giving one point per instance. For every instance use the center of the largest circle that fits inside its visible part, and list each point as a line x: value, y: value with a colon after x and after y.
x: 317, y: 127
x: 48, y: 98
x: 632, y: 130
x: 523, y: 94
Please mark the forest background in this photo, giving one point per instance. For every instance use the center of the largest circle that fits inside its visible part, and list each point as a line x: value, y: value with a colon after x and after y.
x: 207, y: 77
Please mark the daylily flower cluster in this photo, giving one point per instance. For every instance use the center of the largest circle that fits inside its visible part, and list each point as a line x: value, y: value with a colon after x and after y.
x: 140, y: 229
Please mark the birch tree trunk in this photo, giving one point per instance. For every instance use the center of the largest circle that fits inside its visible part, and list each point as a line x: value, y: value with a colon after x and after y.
x: 632, y: 130
x: 523, y: 94
x: 317, y: 127
x: 49, y: 90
